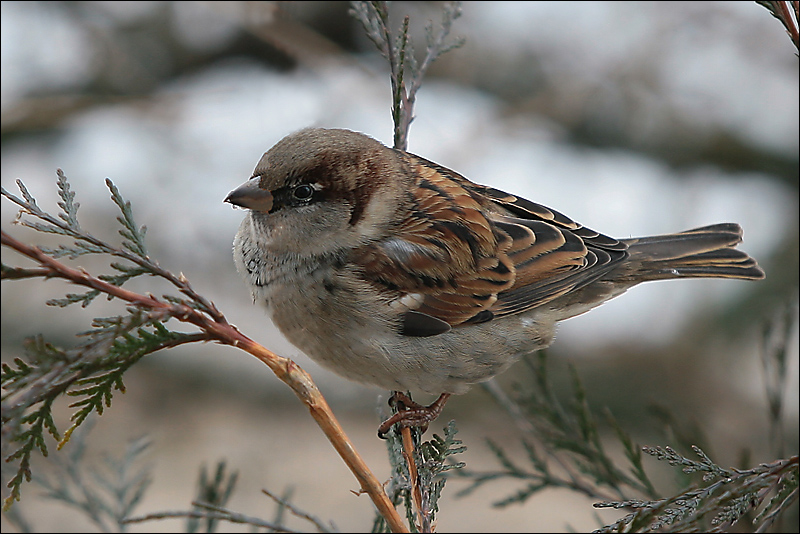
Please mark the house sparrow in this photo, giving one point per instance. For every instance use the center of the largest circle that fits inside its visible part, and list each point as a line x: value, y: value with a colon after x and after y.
x: 394, y: 271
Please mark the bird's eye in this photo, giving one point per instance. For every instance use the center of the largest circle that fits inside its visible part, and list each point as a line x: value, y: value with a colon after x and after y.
x: 303, y: 192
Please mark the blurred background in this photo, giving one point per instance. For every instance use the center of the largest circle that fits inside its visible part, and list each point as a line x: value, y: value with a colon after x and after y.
x: 633, y: 118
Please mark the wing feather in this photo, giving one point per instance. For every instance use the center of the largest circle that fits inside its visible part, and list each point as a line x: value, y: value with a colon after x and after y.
x: 467, y: 253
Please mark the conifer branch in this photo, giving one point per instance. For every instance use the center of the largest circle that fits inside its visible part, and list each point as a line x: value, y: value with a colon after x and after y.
x: 405, y: 71
x: 115, y: 344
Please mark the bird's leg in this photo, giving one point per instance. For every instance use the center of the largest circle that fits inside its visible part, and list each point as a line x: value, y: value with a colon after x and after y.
x: 411, y: 413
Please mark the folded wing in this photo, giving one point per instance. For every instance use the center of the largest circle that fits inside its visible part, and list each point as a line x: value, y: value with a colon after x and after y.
x: 467, y: 253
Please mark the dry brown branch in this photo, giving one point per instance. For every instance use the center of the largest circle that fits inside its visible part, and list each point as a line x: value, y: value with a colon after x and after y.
x: 416, y: 494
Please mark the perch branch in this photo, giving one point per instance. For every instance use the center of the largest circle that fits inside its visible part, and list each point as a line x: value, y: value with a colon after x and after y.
x: 285, y: 369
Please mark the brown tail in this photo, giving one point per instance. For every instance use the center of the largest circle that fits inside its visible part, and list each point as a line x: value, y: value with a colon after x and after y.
x: 703, y: 252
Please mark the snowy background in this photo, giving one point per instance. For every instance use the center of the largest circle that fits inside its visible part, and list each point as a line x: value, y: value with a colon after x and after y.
x: 631, y: 118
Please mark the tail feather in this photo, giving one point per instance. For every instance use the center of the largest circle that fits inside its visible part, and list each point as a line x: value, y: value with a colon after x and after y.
x: 701, y: 252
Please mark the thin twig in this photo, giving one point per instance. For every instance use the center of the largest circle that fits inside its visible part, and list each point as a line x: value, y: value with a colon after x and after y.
x: 405, y: 73
x: 413, y: 475
x: 19, y: 273
x: 297, y: 512
x: 233, y: 517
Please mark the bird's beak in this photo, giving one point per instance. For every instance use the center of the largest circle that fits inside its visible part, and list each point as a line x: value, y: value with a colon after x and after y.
x: 249, y: 195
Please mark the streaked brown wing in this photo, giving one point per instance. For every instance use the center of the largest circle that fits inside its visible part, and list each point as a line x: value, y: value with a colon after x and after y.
x: 525, y: 209
x: 445, y: 260
x: 466, y: 253
x: 551, y: 263
x: 552, y: 254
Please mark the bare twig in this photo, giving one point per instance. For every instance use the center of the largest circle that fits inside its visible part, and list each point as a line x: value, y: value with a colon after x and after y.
x: 233, y: 517
x: 322, y: 527
x: 413, y: 475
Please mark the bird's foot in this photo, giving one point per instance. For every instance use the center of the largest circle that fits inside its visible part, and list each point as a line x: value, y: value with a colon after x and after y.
x: 411, y: 413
